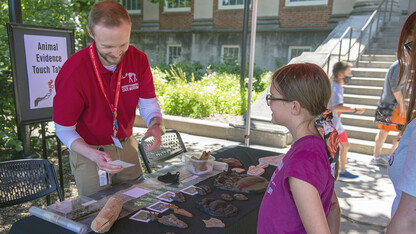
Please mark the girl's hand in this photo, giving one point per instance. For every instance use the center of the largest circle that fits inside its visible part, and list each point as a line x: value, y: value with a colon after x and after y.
x: 359, y: 110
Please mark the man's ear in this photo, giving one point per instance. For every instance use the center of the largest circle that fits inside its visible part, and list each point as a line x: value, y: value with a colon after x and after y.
x: 90, y: 32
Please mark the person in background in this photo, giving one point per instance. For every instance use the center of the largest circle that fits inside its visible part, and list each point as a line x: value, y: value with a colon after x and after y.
x: 402, y: 163
x: 341, y: 74
x: 97, y: 93
x: 392, y: 94
x: 302, y: 187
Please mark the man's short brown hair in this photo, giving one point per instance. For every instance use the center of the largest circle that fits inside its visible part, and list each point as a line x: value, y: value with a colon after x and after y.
x: 108, y: 13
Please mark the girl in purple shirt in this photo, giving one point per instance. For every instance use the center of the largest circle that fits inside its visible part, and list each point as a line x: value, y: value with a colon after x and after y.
x: 300, y: 197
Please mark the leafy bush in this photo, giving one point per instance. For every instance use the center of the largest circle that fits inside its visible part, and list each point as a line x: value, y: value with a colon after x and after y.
x: 232, y: 67
x: 191, y: 71
x: 228, y: 66
x: 214, y: 93
x: 55, y: 13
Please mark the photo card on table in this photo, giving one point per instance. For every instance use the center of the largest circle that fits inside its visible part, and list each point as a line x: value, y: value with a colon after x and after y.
x: 159, y: 207
x: 190, y: 190
x: 166, y: 196
x: 141, y: 216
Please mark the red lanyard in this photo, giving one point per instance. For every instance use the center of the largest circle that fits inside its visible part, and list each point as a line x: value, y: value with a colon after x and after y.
x: 100, y: 81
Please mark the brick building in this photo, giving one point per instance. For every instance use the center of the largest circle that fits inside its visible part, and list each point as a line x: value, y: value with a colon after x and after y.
x: 211, y: 30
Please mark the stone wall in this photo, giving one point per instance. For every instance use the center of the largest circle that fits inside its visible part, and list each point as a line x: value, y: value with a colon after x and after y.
x: 205, y: 46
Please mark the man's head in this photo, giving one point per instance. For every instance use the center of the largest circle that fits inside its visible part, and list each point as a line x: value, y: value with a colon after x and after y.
x: 109, y: 25
x: 107, y: 13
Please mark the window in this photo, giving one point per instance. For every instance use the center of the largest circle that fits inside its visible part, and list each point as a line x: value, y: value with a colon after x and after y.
x: 230, y: 53
x: 174, y: 54
x: 231, y: 4
x: 177, y: 5
x: 132, y: 6
x: 306, y: 2
x: 295, y: 51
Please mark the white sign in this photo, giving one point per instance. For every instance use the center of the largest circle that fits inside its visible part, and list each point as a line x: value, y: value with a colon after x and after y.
x: 45, y: 56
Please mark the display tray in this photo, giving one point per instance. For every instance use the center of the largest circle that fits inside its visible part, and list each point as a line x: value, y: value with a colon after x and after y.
x: 75, y: 208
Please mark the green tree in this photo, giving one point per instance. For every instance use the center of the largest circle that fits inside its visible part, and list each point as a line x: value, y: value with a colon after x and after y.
x: 51, y: 13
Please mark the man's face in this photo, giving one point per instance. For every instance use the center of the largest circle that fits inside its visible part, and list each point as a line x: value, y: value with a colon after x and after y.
x: 111, y: 42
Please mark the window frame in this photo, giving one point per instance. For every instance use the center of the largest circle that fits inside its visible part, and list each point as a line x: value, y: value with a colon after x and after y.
x: 230, y: 46
x: 289, y: 3
x: 167, y: 51
x: 289, y: 56
x: 233, y: 7
x: 179, y: 9
x: 132, y: 12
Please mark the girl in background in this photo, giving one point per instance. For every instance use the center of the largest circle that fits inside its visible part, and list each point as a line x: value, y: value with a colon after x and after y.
x: 341, y: 74
x: 300, y: 197
x: 402, y: 164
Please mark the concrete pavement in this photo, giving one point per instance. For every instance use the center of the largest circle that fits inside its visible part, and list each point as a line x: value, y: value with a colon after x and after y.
x: 365, y: 202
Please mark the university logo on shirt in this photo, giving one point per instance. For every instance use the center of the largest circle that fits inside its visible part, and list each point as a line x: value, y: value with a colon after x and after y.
x: 132, y: 82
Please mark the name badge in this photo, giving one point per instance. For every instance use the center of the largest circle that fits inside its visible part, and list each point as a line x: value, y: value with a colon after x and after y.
x: 104, y: 178
x: 117, y: 142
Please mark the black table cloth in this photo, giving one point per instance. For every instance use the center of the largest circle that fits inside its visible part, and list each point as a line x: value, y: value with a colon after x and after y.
x: 244, y: 222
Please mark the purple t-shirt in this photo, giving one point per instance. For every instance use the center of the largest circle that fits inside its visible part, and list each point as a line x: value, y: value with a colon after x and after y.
x: 306, y: 160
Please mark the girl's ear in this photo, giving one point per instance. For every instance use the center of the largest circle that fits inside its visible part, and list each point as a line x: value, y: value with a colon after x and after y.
x: 295, y: 108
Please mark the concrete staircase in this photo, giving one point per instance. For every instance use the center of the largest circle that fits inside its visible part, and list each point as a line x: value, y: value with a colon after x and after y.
x: 365, y: 89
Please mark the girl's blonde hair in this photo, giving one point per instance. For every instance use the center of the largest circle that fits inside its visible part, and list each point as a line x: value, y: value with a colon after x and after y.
x: 306, y: 83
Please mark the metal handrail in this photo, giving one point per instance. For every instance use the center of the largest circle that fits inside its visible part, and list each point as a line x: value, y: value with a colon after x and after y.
x: 369, y: 23
x: 328, y: 56
x: 367, y: 26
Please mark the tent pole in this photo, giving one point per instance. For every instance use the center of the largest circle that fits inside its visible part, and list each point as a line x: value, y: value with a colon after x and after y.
x: 244, y: 53
x: 251, y: 68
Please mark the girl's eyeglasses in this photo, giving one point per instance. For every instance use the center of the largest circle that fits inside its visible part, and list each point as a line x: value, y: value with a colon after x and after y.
x: 408, y: 47
x: 269, y: 99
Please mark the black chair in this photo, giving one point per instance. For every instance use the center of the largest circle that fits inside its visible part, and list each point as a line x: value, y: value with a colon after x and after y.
x: 171, y: 146
x: 25, y: 180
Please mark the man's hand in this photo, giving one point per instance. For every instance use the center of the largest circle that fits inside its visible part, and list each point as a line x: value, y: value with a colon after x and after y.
x: 101, y: 158
x: 157, y: 133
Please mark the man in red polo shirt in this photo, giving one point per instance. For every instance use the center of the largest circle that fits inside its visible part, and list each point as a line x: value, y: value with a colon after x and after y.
x: 97, y: 93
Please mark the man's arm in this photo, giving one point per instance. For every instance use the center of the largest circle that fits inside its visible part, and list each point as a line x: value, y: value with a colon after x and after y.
x: 69, y: 136
x: 156, y: 129
x: 99, y: 157
x: 151, y: 114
